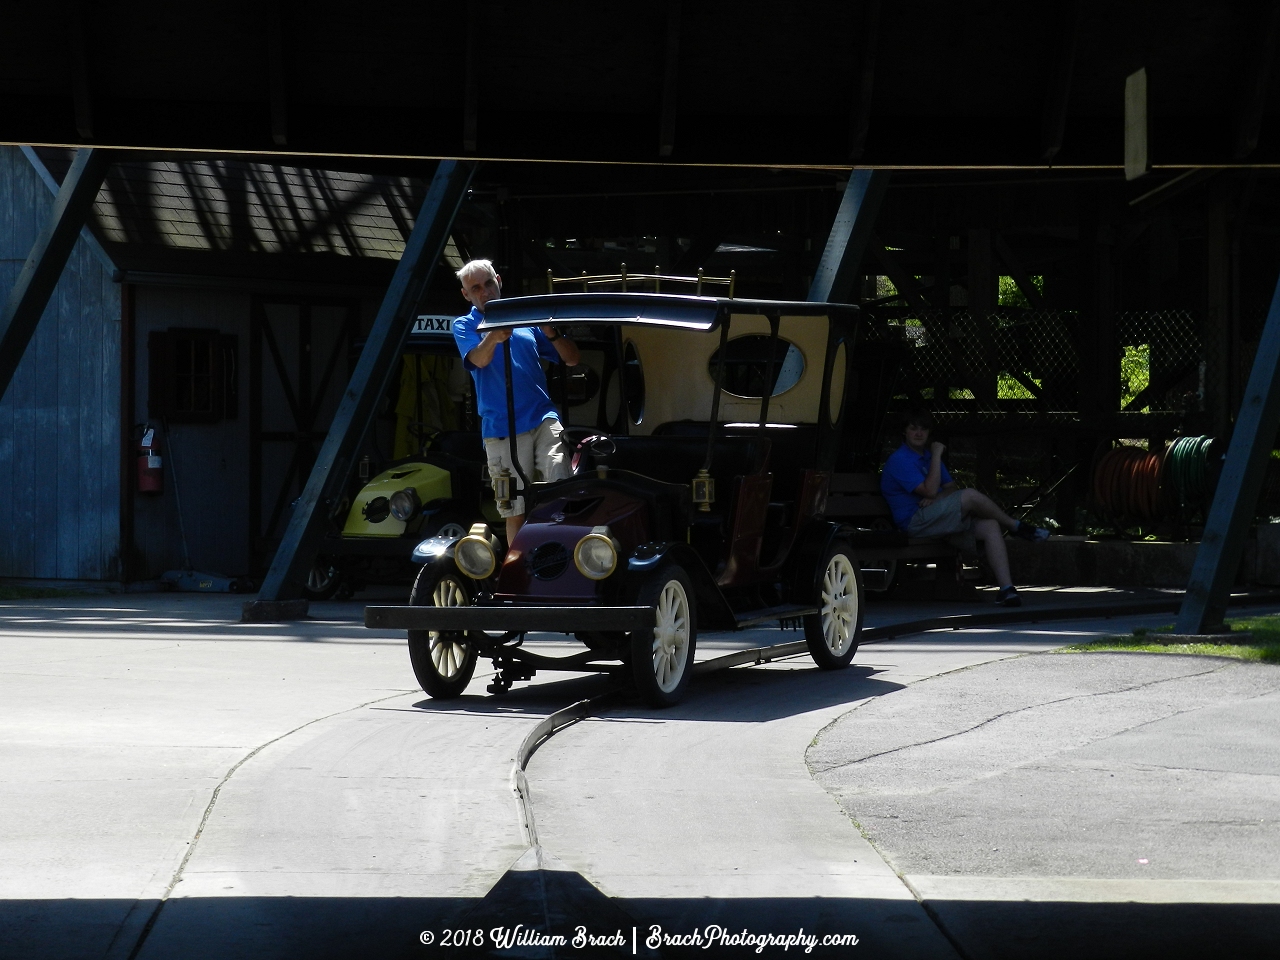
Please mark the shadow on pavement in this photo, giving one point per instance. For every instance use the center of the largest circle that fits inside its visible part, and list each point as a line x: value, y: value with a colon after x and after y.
x: 743, y: 694
x: 556, y: 902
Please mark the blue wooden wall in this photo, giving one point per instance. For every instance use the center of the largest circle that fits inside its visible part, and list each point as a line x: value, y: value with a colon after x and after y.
x: 60, y: 444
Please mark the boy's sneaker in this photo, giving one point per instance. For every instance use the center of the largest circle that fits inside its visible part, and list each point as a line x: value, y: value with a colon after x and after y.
x: 1008, y: 597
x: 1025, y: 531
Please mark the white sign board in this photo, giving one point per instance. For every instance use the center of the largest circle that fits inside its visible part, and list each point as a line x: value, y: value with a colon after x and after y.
x: 425, y: 324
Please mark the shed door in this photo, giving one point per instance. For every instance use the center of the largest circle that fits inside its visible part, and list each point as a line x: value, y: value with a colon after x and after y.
x: 299, y: 367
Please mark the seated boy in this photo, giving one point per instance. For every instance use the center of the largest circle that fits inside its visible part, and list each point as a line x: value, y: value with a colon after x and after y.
x: 927, y: 503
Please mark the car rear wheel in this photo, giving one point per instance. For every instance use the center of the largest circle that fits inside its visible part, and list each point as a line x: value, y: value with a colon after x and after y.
x: 662, y: 658
x: 442, y: 662
x: 832, y: 633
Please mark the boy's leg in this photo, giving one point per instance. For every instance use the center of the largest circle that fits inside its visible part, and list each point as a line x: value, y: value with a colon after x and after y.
x: 988, y: 531
x: 981, y: 507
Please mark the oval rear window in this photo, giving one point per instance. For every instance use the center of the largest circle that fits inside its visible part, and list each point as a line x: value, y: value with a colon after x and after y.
x: 751, y: 361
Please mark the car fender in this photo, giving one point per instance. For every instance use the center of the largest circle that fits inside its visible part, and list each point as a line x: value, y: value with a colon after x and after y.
x: 714, y: 613
x: 434, y: 550
x: 803, y: 576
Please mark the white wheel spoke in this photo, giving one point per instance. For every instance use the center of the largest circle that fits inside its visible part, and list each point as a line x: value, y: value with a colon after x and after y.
x: 447, y: 655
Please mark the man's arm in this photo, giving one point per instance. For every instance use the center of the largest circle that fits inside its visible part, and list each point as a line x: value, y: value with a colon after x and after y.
x: 482, y: 355
x: 566, y: 348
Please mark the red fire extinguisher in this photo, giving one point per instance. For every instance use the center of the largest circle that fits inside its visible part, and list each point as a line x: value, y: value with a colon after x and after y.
x: 150, y: 469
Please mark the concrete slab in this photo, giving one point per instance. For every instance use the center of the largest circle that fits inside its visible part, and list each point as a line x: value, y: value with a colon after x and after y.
x: 1066, y: 780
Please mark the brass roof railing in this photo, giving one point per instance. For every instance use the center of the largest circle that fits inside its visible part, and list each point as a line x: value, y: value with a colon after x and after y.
x: 657, y: 278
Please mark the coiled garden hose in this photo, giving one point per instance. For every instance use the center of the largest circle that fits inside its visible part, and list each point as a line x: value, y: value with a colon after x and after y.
x: 1132, y: 484
x: 1126, y: 484
x: 1186, y: 463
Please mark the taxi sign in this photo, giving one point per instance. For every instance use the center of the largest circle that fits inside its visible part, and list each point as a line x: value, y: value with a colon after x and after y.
x: 428, y: 324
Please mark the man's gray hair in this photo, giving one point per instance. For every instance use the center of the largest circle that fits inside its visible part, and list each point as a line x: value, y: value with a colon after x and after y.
x: 475, y: 266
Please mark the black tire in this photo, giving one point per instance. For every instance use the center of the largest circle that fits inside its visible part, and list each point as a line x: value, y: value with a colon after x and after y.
x: 443, y: 663
x: 662, y: 658
x: 832, y: 634
x: 323, y: 580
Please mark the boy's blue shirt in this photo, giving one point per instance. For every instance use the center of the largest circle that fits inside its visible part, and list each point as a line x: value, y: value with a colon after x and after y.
x: 903, y: 472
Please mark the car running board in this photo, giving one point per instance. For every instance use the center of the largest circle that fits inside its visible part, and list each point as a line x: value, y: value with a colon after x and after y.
x: 788, y: 611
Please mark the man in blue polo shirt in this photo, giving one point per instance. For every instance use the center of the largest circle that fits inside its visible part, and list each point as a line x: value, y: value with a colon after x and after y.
x: 927, y: 503
x: 538, y: 426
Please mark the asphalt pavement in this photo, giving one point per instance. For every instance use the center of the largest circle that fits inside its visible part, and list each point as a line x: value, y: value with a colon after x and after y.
x: 180, y: 785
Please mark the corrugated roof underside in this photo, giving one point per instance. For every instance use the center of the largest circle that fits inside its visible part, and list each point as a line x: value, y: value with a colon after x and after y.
x: 234, y: 205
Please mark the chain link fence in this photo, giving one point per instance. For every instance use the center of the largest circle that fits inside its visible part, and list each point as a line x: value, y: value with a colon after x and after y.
x: 1014, y: 360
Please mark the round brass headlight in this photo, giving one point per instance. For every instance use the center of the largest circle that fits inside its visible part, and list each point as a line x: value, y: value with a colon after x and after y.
x: 596, y: 555
x: 405, y: 503
x: 474, y: 555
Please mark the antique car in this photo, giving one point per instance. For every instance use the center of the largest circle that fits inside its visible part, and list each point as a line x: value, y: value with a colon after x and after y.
x: 704, y: 512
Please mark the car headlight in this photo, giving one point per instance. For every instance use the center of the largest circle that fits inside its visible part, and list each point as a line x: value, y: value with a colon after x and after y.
x: 474, y: 553
x: 596, y: 555
x: 405, y: 503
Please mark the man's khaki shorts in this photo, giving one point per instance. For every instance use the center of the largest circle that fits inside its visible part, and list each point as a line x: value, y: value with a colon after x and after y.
x: 541, y: 448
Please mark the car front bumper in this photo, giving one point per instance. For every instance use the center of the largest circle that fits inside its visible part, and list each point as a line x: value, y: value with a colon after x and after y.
x: 507, y: 618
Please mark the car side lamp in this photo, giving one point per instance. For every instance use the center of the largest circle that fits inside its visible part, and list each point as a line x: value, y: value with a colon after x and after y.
x: 704, y: 490
x: 502, y: 489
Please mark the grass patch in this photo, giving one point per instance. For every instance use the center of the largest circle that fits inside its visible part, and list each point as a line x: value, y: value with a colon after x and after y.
x: 33, y: 593
x: 1264, y: 648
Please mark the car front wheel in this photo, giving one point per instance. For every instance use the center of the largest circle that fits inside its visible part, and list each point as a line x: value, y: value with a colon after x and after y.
x: 323, y: 580
x: 662, y: 658
x: 832, y: 632
x: 442, y: 662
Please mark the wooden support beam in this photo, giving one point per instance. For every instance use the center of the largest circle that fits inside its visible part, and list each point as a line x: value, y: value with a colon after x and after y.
x: 670, y: 82
x: 984, y: 287
x: 1253, y: 100
x: 80, y: 89
x: 906, y: 285
x: 276, y: 79
x: 861, y: 120
x: 1053, y: 121
x: 1236, y: 498
x: 40, y: 273
x: 1216, y: 338
x: 1137, y: 157
x: 86, y: 235
x: 368, y: 383
x: 836, y: 278
x: 471, y: 82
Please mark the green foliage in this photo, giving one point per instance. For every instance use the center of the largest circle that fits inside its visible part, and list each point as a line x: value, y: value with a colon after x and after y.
x: 1135, y: 372
x: 1009, y: 294
x: 1008, y: 387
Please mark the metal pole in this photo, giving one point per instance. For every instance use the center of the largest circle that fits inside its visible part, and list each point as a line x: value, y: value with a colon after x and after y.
x: 288, y: 573
x: 1236, y: 498
x: 48, y: 256
x: 837, y: 270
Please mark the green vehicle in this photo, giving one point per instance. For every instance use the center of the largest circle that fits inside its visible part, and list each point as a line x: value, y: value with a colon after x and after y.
x: 436, y: 485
